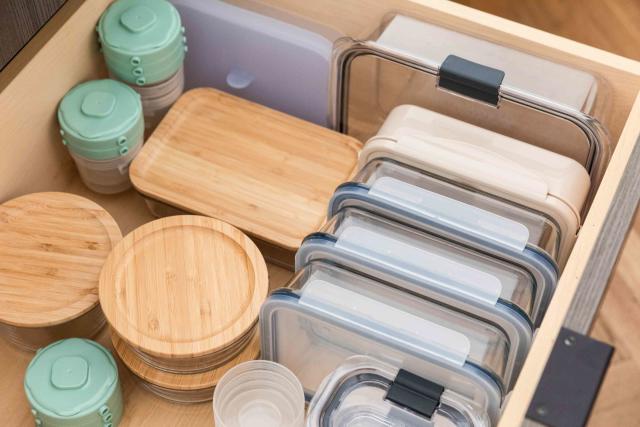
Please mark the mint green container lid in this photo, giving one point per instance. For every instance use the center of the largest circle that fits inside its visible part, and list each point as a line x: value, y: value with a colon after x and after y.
x: 101, y: 119
x: 142, y: 41
x: 73, y: 383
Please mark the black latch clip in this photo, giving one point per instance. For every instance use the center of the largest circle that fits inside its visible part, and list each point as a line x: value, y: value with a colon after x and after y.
x: 415, y: 393
x: 471, y: 79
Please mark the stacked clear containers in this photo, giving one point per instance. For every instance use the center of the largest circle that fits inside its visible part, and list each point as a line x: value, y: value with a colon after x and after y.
x: 144, y: 46
x: 328, y: 314
x: 440, y: 257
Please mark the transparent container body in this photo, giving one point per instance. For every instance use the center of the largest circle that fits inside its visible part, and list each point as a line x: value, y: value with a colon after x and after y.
x: 107, y: 176
x: 469, y: 217
x: 472, y: 283
x: 355, y: 395
x: 399, y: 63
x: 328, y: 314
x: 273, y: 61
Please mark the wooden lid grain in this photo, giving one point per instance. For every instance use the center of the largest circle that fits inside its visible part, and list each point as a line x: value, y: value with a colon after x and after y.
x: 183, y: 382
x: 52, y: 248
x: 267, y: 173
x: 183, y: 286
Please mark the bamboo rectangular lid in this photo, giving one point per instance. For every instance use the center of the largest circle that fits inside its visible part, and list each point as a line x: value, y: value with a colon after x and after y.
x: 265, y: 172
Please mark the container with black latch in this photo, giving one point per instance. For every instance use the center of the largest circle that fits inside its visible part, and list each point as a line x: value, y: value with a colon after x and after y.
x: 500, y: 88
x: 366, y: 391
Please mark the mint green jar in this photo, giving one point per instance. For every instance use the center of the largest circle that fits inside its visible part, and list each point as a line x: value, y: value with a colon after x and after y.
x: 144, y: 46
x: 102, y: 126
x: 142, y: 40
x: 74, y: 383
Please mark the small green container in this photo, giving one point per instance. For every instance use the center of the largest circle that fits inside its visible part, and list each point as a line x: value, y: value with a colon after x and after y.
x: 142, y: 41
x: 101, y: 119
x: 74, y: 383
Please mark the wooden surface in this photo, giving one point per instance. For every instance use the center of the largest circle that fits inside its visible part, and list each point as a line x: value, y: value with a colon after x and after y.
x: 610, y: 25
x: 265, y: 172
x: 70, y: 55
x: 183, y: 287
x: 19, y: 21
x: 52, y: 248
x: 188, y: 382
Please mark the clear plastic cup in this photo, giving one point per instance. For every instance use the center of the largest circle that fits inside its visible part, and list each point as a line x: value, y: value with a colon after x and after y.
x: 259, y: 393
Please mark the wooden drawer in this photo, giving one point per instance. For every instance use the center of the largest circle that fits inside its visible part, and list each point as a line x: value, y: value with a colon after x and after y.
x: 65, y: 52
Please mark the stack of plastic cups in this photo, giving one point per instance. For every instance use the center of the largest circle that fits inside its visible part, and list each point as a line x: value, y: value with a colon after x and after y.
x: 101, y: 124
x: 144, y: 46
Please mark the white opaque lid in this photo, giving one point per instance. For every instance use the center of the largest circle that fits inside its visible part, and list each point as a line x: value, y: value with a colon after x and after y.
x: 476, y: 157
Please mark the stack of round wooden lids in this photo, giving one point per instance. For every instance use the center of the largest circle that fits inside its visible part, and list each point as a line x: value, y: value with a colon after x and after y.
x: 182, y: 295
x: 52, y: 248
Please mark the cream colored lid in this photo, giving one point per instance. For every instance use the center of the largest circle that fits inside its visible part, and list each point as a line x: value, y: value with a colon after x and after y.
x: 481, y: 158
x: 183, y: 286
x: 52, y: 247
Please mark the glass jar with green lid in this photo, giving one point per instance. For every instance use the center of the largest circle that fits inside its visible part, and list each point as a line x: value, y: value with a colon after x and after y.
x: 144, y: 46
x: 102, y: 126
x: 74, y: 383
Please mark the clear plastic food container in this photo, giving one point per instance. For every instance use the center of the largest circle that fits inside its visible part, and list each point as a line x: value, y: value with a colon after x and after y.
x: 366, y: 392
x: 258, y: 57
x: 533, y: 99
x: 328, y: 314
x: 488, y: 162
x: 473, y: 283
x: 494, y: 226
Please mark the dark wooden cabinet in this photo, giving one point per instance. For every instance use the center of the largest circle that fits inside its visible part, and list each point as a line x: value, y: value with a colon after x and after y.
x: 19, y: 21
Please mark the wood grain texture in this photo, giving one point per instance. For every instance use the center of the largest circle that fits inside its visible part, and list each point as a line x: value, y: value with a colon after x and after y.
x: 267, y: 173
x: 70, y: 55
x: 610, y: 25
x: 206, y: 380
x: 52, y: 247
x: 183, y: 287
x: 19, y: 21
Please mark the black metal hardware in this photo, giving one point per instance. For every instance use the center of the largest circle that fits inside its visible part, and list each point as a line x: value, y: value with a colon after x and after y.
x: 415, y: 393
x: 471, y: 79
x: 570, y: 381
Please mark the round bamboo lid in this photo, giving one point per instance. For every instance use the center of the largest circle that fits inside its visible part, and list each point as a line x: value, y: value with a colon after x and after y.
x: 52, y: 247
x: 183, y: 286
x: 183, y: 382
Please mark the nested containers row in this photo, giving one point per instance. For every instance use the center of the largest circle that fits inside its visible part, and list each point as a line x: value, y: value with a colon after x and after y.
x: 182, y: 296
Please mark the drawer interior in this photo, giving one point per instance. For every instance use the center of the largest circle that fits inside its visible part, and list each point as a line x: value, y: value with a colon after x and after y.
x: 66, y: 53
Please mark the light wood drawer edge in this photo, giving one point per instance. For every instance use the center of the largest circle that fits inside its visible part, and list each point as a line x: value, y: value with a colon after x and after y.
x: 31, y: 87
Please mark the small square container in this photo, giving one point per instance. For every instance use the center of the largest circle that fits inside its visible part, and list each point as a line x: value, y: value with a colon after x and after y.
x: 366, y: 392
x: 500, y: 88
x: 507, y: 231
x: 257, y: 57
x: 498, y: 292
x: 486, y: 161
x: 328, y: 314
